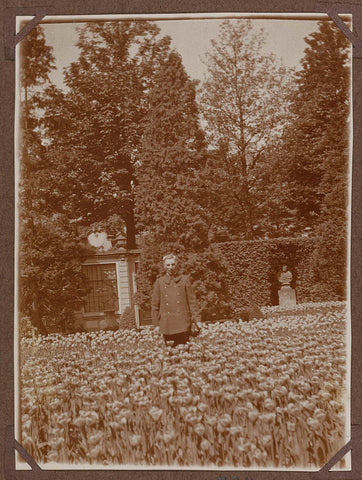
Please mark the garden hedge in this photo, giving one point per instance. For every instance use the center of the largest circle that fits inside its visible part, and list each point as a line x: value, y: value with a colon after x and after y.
x: 253, y: 268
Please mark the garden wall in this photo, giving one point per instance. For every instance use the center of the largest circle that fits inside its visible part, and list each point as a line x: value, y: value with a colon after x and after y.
x: 253, y: 268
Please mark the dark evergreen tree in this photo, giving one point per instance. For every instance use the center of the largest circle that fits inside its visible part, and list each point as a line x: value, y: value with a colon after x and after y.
x: 169, y: 203
x: 316, y: 147
x: 316, y: 143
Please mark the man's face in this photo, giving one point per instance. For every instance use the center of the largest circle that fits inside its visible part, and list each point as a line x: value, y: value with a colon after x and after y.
x: 170, y: 265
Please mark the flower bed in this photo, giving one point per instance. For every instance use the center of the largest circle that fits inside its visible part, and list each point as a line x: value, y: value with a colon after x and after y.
x: 267, y: 393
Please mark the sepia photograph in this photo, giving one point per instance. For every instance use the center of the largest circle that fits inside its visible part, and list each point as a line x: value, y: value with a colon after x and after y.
x: 183, y: 217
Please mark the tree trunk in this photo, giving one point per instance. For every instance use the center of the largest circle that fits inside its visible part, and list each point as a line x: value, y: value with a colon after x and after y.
x: 249, y: 233
x: 36, y: 319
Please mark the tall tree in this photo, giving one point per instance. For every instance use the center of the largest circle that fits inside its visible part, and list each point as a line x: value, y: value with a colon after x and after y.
x: 312, y: 157
x: 244, y: 105
x: 97, y: 121
x: 324, y: 101
x: 315, y: 145
x: 168, y: 195
x: 80, y: 172
x: 37, y: 61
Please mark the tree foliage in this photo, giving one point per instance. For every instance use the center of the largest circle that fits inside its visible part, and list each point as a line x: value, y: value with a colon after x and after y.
x: 316, y: 142
x: 245, y: 107
x: 32, y: 71
x: 50, y: 281
x: 52, y: 286
x: 168, y: 196
x: 98, y: 120
x: 316, y: 147
x: 77, y: 172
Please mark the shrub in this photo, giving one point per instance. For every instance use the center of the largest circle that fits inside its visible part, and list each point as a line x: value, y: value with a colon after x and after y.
x: 249, y: 313
x: 127, y: 319
x: 26, y: 328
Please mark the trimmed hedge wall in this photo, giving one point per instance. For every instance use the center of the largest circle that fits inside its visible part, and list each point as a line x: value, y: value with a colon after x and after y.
x: 253, y: 268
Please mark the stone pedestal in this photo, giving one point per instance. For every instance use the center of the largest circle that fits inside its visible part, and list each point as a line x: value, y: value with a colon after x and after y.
x: 287, y: 296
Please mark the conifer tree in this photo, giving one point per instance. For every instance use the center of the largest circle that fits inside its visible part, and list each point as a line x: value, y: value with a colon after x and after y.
x: 169, y: 206
x: 316, y: 154
x: 316, y: 142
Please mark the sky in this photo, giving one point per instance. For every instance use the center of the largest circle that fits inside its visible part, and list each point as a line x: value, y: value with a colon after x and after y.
x: 191, y: 37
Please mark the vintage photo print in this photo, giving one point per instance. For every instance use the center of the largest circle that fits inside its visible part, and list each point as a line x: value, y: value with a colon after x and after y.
x: 183, y: 189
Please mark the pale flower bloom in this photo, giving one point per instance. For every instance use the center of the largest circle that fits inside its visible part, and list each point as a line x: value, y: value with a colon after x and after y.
x: 155, y: 413
x: 257, y: 454
x: 308, y: 405
x: 192, y: 418
x: 305, y: 387
x: 269, y: 404
x: 115, y: 425
x: 212, y: 421
x: 291, y: 426
x: 313, y: 423
x: 244, y: 446
x: 202, y: 407
x: 320, y: 415
x: 279, y: 392
x: 253, y: 415
x: 96, y: 451
x: 80, y: 422
x: 205, y: 445
x: 95, y: 438
x: 199, y: 429
x: 173, y: 400
x: 56, y: 443
x: 235, y: 430
x: 225, y: 420
x: 266, y: 440
x: 168, y: 436
x: 126, y: 413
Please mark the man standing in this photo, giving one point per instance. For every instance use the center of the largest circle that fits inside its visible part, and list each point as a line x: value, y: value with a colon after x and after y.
x: 173, y: 304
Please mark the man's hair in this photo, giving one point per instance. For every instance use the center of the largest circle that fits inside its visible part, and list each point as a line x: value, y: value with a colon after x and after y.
x: 170, y: 256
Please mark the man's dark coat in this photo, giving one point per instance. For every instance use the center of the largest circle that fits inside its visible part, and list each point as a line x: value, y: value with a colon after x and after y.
x: 173, y: 304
